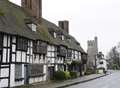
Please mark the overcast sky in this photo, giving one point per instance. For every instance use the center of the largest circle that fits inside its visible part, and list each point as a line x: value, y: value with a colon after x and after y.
x: 88, y: 18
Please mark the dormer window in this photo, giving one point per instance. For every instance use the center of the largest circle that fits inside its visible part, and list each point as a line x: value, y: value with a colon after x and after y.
x: 55, y: 35
x: 32, y: 26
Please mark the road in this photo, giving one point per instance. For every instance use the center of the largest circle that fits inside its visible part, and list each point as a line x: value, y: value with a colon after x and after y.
x: 110, y: 81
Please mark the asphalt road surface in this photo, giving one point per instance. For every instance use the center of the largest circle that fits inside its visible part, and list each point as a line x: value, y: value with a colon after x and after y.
x: 110, y: 81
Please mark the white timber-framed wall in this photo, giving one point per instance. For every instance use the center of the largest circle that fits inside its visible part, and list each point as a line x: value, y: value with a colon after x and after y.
x: 14, y: 62
x: 51, y: 60
x: 4, y: 60
x: 13, y: 58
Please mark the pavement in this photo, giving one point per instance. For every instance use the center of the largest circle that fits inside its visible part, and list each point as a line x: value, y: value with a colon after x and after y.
x: 67, y: 83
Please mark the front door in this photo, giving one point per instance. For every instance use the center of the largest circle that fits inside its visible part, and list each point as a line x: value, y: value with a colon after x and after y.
x: 51, y: 71
x: 26, y: 74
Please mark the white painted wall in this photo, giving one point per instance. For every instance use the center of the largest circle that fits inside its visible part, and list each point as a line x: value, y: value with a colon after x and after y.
x: 4, y: 72
x: 104, y: 65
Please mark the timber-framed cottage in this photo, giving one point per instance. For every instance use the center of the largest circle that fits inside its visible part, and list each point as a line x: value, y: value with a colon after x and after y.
x: 32, y: 48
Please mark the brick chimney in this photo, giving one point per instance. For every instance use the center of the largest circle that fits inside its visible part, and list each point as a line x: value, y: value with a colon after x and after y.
x: 34, y: 6
x: 64, y: 25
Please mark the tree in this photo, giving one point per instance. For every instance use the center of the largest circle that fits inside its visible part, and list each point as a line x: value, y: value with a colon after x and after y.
x: 113, y: 56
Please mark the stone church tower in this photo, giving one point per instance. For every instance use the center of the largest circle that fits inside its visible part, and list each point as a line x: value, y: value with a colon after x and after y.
x: 92, y: 52
x: 34, y: 6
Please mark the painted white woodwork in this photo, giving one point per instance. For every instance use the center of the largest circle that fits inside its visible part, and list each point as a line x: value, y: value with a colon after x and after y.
x: 5, y: 40
x: 4, y: 72
x: 8, y: 41
x: 4, y: 55
x: 18, y: 58
x: 13, y: 39
x: 3, y: 83
x: 23, y: 56
x: 13, y: 48
x: 8, y: 55
x: 13, y: 57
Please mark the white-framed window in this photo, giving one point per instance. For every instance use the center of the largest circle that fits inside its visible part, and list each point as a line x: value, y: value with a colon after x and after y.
x: 33, y: 27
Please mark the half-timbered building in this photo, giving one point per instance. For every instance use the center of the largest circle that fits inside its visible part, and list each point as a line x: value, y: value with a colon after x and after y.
x: 32, y: 48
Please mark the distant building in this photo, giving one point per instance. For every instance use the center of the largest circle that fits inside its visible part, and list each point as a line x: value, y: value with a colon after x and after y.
x: 92, y: 52
x: 101, y: 63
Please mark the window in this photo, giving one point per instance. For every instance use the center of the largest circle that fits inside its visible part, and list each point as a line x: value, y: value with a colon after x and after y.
x: 62, y: 51
x: 36, y: 70
x: 32, y: 26
x: 69, y: 54
x: 22, y: 44
x: 39, y: 47
x: 101, y: 62
x: 18, y: 71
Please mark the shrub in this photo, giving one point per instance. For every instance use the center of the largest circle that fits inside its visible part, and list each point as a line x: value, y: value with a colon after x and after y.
x: 67, y: 75
x: 1, y: 13
x: 59, y: 75
x: 73, y: 74
x: 115, y: 67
